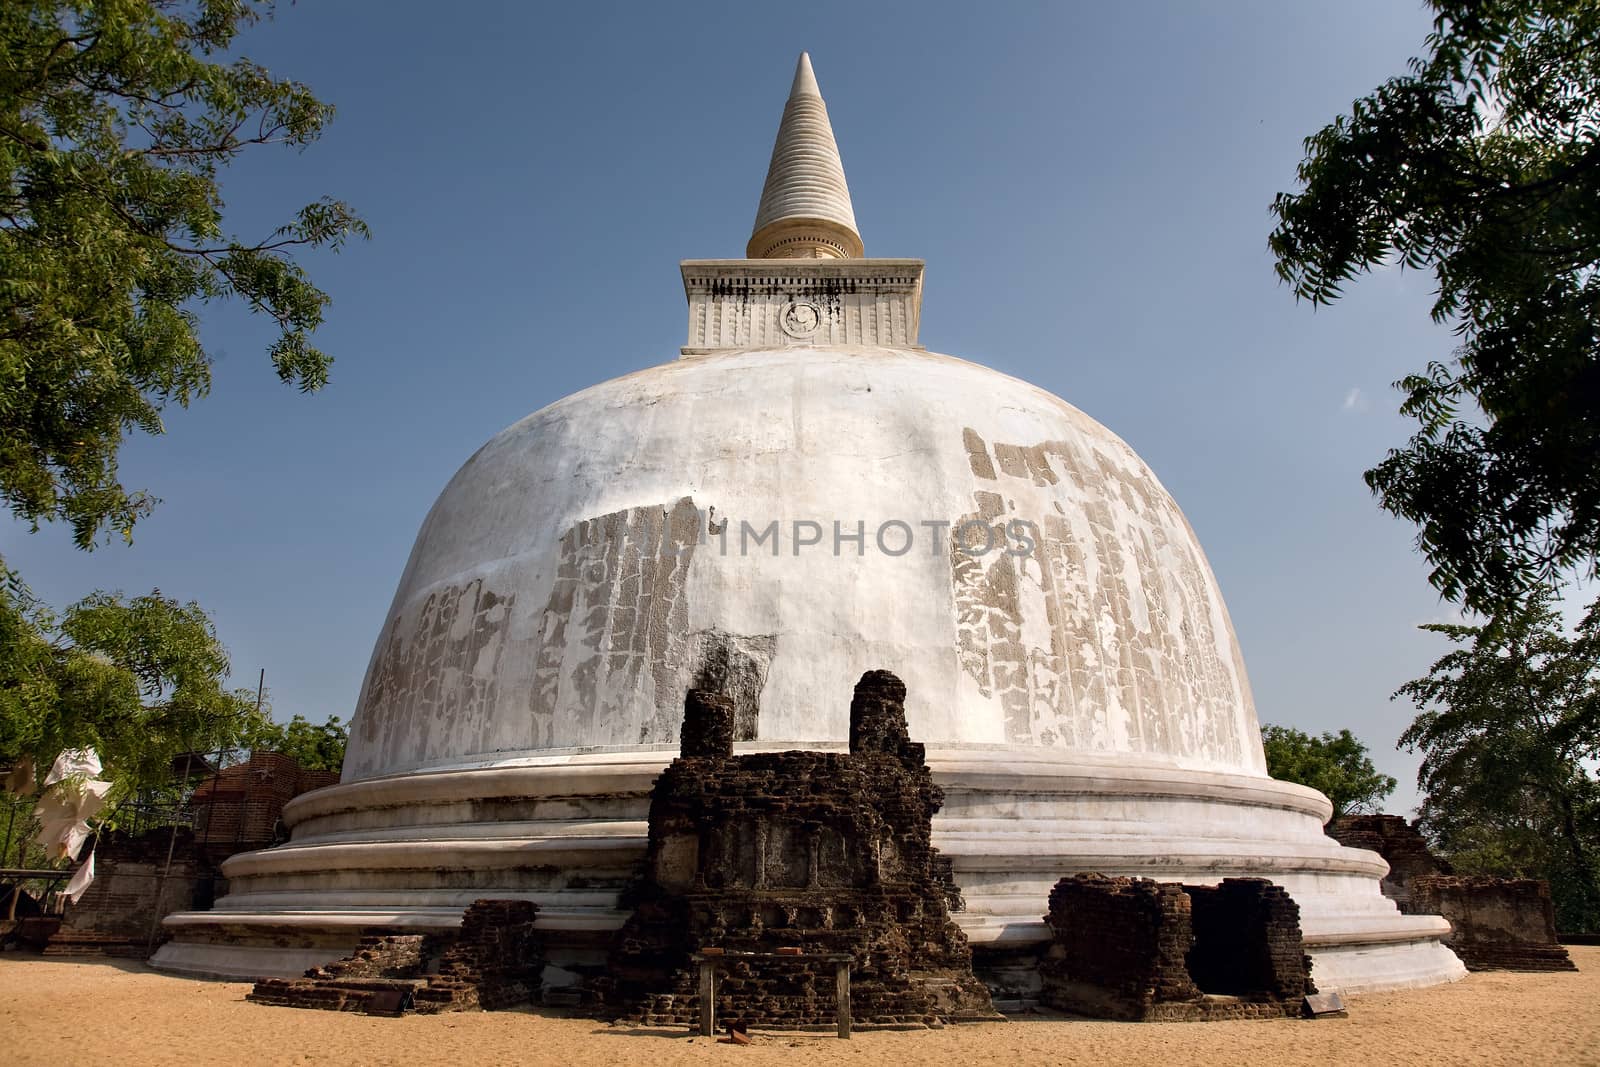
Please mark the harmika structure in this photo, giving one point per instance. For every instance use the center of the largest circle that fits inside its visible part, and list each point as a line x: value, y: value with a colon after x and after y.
x: 805, y: 494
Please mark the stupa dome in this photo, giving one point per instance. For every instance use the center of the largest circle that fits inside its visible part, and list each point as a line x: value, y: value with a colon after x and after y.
x: 812, y: 512
x: 804, y: 495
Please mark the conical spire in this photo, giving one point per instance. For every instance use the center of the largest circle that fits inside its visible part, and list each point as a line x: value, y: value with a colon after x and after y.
x: 805, y: 208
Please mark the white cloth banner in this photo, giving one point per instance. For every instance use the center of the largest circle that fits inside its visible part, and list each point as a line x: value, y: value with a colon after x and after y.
x: 71, y: 797
x: 80, y: 881
x: 74, y: 762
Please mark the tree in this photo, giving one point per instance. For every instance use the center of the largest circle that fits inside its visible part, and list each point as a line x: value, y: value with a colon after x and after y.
x: 1335, y: 765
x: 115, y: 120
x: 314, y: 746
x: 1481, y: 165
x: 1509, y: 731
x: 140, y: 681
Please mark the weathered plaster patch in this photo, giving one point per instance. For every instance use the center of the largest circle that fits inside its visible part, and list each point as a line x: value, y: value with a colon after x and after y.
x: 617, y: 614
x: 1102, y: 637
x: 977, y: 454
x: 440, y: 672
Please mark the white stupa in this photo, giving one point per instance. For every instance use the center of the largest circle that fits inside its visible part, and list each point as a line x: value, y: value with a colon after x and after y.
x: 802, y: 495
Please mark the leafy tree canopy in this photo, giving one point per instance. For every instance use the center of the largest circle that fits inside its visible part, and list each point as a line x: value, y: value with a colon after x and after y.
x: 139, y: 680
x: 315, y: 746
x: 1509, y: 731
x: 1335, y: 765
x: 116, y: 117
x: 1482, y: 165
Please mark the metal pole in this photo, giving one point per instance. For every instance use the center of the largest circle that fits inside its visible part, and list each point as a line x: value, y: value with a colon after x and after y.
x: 222, y: 754
x: 172, y: 844
x: 238, y: 822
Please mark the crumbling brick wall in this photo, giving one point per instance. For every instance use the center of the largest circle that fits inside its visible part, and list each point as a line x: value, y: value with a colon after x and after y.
x: 133, y: 889
x: 381, y: 963
x: 1247, y: 940
x: 494, y: 962
x: 383, y: 956
x: 1400, y: 844
x: 1140, y: 950
x: 242, y: 804
x: 819, y: 853
x: 1495, y: 923
x: 1118, y: 947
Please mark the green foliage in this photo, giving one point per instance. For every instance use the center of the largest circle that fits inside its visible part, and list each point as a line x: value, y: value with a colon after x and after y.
x: 315, y: 746
x: 116, y: 117
x: 17, y: 827
x: 1509, y: 732
x: 1335, y: 765
x: 1483, y: 166
x: 140, y: 681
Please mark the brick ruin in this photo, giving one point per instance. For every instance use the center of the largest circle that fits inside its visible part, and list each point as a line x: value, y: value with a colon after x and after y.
x: 1143, y: 951
x: 240, y: 807
x: 393, y: 964
x: 133, y: 889
x: 1496, y: 924
x: 801, y: 858
x: 1503, y: 924
x: 237, y: 810
x: 492, y: 963
x: 1398, y: 842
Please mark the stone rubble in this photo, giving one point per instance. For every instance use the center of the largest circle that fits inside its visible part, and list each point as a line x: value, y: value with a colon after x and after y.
x: 493, y: 963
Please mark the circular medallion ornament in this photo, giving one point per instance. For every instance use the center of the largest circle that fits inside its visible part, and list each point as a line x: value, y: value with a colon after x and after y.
x: 800, y: 319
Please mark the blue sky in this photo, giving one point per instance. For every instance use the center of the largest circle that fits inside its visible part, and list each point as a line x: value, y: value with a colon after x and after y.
x: 1089, y: 185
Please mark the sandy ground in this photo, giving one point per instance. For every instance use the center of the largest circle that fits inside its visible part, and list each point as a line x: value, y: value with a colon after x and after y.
x: 55, y: 1012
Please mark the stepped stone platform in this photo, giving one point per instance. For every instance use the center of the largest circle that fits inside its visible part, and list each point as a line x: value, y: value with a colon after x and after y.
x: 492, y: 964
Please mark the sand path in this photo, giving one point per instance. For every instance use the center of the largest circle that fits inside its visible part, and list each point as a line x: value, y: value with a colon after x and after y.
x: 56, y: 1012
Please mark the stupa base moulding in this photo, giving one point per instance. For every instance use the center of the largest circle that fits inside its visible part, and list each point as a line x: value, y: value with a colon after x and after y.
x: 568, y: 832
